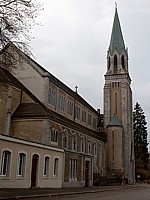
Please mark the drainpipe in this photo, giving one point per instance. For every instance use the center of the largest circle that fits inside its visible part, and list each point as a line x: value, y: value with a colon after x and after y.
x: 8, y: 110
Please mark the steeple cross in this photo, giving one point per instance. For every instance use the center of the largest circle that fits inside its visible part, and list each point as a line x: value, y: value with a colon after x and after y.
x: 76, y: 87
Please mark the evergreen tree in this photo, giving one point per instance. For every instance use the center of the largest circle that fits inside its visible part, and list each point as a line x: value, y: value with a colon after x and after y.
x: 140, y: 139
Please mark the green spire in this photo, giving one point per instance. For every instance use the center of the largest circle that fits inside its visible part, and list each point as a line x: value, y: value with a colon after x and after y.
x: 116, y: 41
x: 114, y: 122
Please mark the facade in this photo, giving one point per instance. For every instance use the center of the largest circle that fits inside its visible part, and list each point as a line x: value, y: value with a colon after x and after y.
x: 25, y: 160
x: 118, y: 107
x: 51, y: 137
x: 64, y: 124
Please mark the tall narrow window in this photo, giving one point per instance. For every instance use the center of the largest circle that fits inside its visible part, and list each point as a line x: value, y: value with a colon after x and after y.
x: 70, y: 108
x: 89, y: 119
x: 77, y: 112
x: 21, y: 164
x: 115, y: 64
x: 56, y: 160
x: 74, y: 142
x: 116, y: 102
x: 115, y: 61
x: 109, y: 63
x: 122, y: 62
x: 73, y: 169
x: 61, y: 102
x: 84, y: 116
x: 54, y: 135
x: 113, y: 146
x: 95, y: 149
x: 5, y: 163
x: 52, y: 96
x: 83, y: 144
x: 65, y: 136
x: 46, y: 166
x: 94, y: 122
x: 89, y: 147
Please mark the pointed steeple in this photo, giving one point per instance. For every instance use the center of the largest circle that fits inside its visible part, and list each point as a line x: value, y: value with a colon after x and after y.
x: 116, y: 41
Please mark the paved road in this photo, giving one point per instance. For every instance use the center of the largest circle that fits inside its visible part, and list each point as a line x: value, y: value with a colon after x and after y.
x: 124, y: 194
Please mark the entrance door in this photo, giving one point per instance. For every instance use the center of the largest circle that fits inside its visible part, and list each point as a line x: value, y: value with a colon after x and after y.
x: 34, y: 170
x: 87, y: 173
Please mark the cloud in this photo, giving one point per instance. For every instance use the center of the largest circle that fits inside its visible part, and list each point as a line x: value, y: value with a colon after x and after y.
x: 72, y: 44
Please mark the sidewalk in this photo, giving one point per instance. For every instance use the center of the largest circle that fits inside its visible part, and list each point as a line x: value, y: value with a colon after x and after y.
x: 49, y: 192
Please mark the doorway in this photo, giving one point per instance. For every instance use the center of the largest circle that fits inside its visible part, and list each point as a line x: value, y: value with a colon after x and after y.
x: 35, y: 159
x: 87, y: 173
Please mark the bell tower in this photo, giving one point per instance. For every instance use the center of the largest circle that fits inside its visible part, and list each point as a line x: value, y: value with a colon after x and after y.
x: 118, y: 107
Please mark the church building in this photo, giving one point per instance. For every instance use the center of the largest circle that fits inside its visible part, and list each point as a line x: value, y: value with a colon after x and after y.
x: 52, y: 137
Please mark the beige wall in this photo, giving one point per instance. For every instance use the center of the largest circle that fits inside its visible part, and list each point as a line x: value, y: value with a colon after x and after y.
x: 31, y: 130
x: 114, y: 149
x: 29, y: 77
x: 16, y: 146
x: 116, y: 98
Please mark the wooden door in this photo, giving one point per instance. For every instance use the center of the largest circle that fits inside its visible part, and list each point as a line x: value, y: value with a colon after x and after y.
x: 34, y: 170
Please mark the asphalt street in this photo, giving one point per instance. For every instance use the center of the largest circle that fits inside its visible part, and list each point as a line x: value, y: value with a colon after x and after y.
x: 124, y: 194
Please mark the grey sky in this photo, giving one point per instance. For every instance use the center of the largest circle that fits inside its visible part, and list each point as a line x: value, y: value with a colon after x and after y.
x: 74, y: 37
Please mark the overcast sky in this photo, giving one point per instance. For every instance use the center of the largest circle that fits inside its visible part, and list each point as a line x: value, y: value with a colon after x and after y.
x: 73, y: 40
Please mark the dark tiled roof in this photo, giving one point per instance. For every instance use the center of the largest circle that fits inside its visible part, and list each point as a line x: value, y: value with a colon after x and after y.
x: 30, y: 110
x: 36, y: 111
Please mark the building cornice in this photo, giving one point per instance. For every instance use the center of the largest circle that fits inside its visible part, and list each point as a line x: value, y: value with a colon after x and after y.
x: 24, y: 142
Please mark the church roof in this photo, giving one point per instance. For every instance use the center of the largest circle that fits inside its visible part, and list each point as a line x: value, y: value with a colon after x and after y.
x: 53, y: 79
x: 114, y: 122
x: 116, y: 41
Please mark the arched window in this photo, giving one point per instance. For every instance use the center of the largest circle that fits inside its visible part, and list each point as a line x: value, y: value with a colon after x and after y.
x: 21, y: 164
x: 46, y: 166
x: 65, y: 139
x: 54, y: 135
x: 122, y: 61
x: 89, y: 147
x: 52, y: 96
x: 5, y: 163
x: 82, y: 144
x: 73, y: 169
x: 56, y: 162
x: 74, y: 142
x: 70, y: 107
x: 115, y: 61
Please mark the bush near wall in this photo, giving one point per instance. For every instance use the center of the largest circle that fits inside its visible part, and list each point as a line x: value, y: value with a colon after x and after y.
x: 99, y: 180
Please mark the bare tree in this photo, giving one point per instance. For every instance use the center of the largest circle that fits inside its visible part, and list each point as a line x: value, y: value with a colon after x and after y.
x: 17, y: 17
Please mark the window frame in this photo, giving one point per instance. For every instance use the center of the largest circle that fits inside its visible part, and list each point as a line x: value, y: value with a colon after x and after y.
x: 65, y: 135
x: 82, y: 144
x: 56, y: 167
x: 74, y: 142
x: 5, y: 162
x: 53, y: 136
x: 73, y: 169
x: 21, y: 165
x: 46, y: 167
